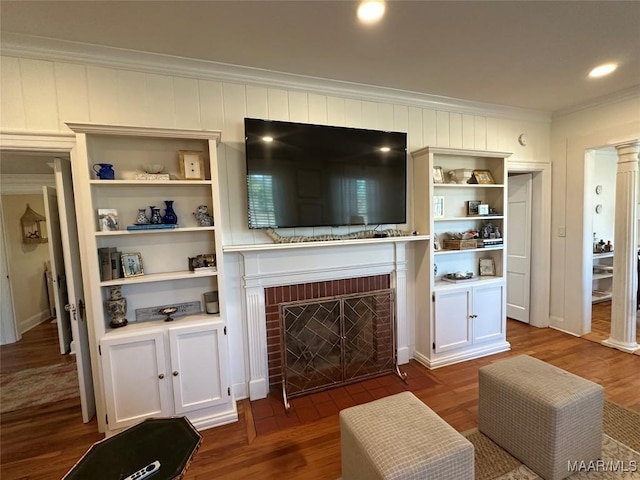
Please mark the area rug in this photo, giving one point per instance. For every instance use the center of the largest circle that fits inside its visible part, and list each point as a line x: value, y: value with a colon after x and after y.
x: 38, y: 386
x: 620, y: 452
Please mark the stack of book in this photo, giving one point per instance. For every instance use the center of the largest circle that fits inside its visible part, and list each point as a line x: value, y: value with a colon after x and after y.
x: 488, y: 242
x: 110, y: 263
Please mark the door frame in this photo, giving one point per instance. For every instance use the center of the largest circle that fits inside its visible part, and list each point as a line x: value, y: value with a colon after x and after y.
x: 539, y: 292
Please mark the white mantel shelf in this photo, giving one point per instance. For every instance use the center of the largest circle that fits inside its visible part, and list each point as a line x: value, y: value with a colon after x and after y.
x: 328, y: 243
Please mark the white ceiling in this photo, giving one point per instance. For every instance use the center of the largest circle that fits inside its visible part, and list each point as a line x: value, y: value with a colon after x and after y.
x: 531, y: 54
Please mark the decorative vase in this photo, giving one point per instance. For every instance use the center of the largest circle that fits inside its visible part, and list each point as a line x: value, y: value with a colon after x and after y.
x: 116, y: 307
x: 202, y: 216
x: 142, y: 218
x: 155, y: 215
x: 170, y: 216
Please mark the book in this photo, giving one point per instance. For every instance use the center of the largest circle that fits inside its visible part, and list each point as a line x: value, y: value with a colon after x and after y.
x: 151, y: 226
x: 104, y: 260
x: 116, y: 264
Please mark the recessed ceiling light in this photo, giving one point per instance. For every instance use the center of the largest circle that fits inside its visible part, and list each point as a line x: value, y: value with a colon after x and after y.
x: 267, y: 139
x: 370, y: 11
x: 385, y: 149
x: 602, y: 70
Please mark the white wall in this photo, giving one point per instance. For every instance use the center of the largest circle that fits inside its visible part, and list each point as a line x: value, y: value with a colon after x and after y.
x: 571, y: 136
x: 40, y: 94
x: 604, y: 174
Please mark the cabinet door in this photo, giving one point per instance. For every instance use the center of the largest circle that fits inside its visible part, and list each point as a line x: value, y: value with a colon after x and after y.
x: 488, y: 321
x: 452, y: 323
x: 135, y: 381
x: 198, y: 366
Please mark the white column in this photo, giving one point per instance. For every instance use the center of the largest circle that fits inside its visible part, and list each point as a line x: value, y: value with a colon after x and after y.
x: 400, y: 281
x: 625, y: 258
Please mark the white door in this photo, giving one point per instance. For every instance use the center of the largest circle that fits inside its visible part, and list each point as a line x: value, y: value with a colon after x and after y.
x: 75, y: 293
x: 56, y: 257
x: 519, y: 247
x: 197, y: 367
x: 453, y: 322
x: 488, y: 319
x: 8, y: 331
x: 136, y: 380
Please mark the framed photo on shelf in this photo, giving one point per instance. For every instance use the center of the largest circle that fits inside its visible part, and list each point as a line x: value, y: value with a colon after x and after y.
x: 191, y: 165
x: 132, y: 264
x: 436, y: 242
x: 108, y: 219
x: 438, y: 175
x: 438, y: 206
x: 483, y: 177
x: 472, y: 207
x: 487, y: 267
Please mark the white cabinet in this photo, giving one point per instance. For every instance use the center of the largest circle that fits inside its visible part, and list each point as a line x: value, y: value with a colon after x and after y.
x: 465, y: 316
x: 602, y: 278
x: 132, y: 355
x: 159, y: 372
x: 465, y: 319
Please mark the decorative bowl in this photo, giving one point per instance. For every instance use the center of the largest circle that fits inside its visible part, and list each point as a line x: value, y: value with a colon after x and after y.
x: 154, y: 168
x: 461, y: 175
x: 459, y: 276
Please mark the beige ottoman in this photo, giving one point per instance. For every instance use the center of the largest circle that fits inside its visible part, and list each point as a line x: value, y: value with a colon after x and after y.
x: 399, y: 437
x: 542, y: 415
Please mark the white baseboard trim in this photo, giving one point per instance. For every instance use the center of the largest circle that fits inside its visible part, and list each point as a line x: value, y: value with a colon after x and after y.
x: 240, y: 391
x: 34, y: 321
x: 443, y: 361
x: 564, y: 331
x: 216, y: 420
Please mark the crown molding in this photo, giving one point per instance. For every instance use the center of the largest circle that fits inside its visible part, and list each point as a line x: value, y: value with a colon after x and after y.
x: 27, y: 184
x: 619, y: 96
x: 50, y: 49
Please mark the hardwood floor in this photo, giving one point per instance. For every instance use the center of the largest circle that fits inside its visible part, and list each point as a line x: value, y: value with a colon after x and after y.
x: 44, y: 442
x: 601, y: 324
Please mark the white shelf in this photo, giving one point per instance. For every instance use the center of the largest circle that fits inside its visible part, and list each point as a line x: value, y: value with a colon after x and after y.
x: 602, y: 255
x: 148, y: 183
x: 449, y: 252
x: 468, y: 185
x: 158, y: 277
x: 600, y: 298
x: 443, y: 284
x: 117, y: 233
x: 600, y: 276
x: 468, y: 217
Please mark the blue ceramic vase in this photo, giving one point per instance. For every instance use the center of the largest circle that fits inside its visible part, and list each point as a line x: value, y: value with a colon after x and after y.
x: 170, y: 216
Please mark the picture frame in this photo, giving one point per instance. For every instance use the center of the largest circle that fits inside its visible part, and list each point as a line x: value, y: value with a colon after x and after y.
x: 483, y: 209
x: 483, y: 177
x: 438, y: 206
x: 487, y: 267
x: 108, y: 219
x: 436, y: 242
x: 438, y: 175
x: 472, y: 207
x: 132, y: 264
x: 191, y: 165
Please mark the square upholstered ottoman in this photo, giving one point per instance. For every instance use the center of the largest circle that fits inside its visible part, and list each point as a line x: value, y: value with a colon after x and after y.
x: 399, y: 437
x: 542, y: 415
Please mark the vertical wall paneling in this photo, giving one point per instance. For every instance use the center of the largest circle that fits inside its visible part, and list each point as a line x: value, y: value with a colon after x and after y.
x: 387, y: 118
x: 187, y: 103
x: 132, y: 95
x: 211, y: 105
x: 12, y: 104
x: 257, y: 102
x: 73, y: 98
x: 160, y: 101
x: 400, y: 118
x: 317, y: 109
x: 442, y: 129
x: 278, y: 104
x: 234, y: 96
x: 336, y: 111
x: 298, y: 107
x: 371, y: 117
x: 492, y: 134
x: 455, y: 130
x: 480, y: 133
x: 430, y: 128
x: 103, y: 101
x: 39, y: 94
x: 414, y: 129
x: 353, y: 113
x: 468, y: 132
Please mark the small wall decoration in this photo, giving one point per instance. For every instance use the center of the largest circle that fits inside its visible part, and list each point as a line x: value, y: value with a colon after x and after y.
x: 438, y: 175
x: 483, y: 177
x: 191, y: 165
x: 132, y: 264
x: 108, y: 219
x: 34, y: 227
x: 472, y: 207
x: 438, y: 207
x: 483, y: 209
x: 203, y: 263
x: 487, y: 267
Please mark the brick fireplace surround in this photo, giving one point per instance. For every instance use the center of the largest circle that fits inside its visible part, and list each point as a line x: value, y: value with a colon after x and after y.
x: 274, y: 296
x: 269, y: 272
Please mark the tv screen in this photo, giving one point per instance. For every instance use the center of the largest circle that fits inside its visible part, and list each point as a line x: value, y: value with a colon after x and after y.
x: 303, y: 175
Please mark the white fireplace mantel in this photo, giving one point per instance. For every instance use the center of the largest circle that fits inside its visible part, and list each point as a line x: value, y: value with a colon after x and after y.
x: 290, y: 264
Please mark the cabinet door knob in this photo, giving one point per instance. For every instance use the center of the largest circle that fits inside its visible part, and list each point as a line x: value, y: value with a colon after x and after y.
x: 175, y: 373
x: 161, y: 376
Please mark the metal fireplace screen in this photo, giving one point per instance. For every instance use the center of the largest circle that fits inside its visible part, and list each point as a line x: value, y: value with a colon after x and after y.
x: 337, y: 340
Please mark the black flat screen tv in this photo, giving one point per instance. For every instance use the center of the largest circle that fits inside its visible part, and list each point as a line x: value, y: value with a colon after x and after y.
x: 304, y: 175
